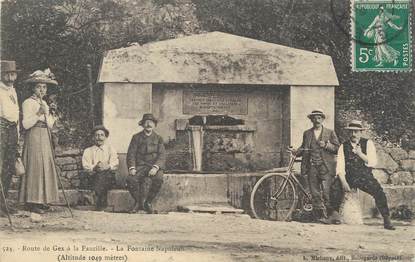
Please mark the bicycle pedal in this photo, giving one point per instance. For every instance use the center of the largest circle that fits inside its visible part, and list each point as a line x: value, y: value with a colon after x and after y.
x: 308, y: 207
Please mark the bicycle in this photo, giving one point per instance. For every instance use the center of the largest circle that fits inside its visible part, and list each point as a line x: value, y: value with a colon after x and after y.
x: 275, y: 197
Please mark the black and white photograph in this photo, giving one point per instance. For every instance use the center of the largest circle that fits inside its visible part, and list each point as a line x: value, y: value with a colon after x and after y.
x: 207, y: 130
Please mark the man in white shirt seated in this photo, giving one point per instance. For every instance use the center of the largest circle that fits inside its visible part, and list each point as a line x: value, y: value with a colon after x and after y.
x: 355, y: 160
x: 100, y: 161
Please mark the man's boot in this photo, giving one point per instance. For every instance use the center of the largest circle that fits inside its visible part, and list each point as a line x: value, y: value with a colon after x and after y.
x: 387, y: 223
x: 138, y: 194
x: 320, y: 216
x: 135, y: 208
x: 100, y: 206
x: 148, y: 207
x: 138, y: 204
x: 335, y: 218
x: 152, y: 193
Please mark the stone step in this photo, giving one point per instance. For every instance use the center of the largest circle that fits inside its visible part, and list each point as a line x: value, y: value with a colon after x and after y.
x: 214, y: 208
x: 85, y: 208
x: 190, y: 190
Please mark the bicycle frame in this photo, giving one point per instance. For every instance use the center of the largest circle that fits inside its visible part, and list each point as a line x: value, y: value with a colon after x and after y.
x: 291, y: 176
x: 287, y: 182
x: 298, y: 184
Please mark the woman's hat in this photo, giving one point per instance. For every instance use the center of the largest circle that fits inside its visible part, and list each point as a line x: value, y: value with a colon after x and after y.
x: 316, y: 112
x: 147, y: 116
x: 8, y: 66
x: 39, y: 76
x: 355, y: 125
x: 101, y: 127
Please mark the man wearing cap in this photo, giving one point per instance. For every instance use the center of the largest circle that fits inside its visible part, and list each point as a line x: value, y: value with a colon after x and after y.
x: 100, y: 162
x: 9, y: 118
x: 145, y: 158
x: 355, y: 160
x: 318, y: 151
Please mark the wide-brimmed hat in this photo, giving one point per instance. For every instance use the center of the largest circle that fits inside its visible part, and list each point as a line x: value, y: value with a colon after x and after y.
x: 355, y: 125
x: 40, y: 76
x: 101, y: 127
x: 8, y: 66
x: 316, y: 112
x: 147, y: 116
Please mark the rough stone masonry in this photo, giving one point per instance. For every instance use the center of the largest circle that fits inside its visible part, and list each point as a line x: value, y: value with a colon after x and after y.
x: 395, y: 171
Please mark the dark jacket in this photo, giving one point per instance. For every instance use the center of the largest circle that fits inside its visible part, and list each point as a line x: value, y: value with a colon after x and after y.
x: 328, y: 153
x: 145, y: 151
x: 354, y: 165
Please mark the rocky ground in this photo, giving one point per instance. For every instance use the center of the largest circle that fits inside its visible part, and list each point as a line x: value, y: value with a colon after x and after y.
x: 102, y: 236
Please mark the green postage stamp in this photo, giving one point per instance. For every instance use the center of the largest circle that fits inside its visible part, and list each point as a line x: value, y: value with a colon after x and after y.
x: 381, y: 35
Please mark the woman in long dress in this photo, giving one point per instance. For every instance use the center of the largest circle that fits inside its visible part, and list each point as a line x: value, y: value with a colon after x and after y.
x: 377, y: 31
x: 39, y: 186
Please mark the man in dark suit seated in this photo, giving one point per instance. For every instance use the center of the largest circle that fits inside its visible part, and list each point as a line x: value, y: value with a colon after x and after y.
x: 145, y: 158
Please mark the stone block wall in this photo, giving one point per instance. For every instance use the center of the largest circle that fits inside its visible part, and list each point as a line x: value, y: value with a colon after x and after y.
x: 70, y: 165
x: 395, y: 171
x: 178, y: 153
x: 396, y: 166
x: 69, y: 162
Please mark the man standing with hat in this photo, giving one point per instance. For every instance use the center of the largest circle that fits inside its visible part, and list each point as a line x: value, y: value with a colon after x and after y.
x: 100, y: 162
x: 9, y: 118
x: 145, y: 158
x: 355, y: 161
x: 318, y: 151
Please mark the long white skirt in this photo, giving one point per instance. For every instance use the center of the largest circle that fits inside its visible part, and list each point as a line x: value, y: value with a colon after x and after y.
x: 40, y: 182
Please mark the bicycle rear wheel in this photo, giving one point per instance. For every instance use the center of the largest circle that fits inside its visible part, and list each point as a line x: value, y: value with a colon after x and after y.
x: 273, y: 198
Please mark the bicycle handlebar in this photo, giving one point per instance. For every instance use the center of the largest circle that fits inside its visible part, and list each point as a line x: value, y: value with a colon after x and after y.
x: 291, y: 150
x: 293, y: 156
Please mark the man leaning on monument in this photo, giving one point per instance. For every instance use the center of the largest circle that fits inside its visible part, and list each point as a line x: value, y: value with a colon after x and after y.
x: 9, y: 118
x: 145, y: 158
x: 318, y: 151
x: 355, y: 160
x: 100, y: 162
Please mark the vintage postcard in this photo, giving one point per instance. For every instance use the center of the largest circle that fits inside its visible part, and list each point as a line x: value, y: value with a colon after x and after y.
x: 194, y: 130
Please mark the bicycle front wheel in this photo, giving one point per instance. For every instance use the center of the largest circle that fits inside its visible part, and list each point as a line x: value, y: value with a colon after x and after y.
x: 273, y: 198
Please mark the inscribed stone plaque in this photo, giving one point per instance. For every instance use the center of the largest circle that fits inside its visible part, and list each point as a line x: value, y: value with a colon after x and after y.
x: 214, y: 102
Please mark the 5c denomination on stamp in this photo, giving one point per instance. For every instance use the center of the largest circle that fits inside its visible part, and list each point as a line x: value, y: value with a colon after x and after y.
x: 381, y: 35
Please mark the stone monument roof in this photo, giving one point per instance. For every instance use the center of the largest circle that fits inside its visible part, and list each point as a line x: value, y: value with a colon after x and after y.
x: 220, y: 58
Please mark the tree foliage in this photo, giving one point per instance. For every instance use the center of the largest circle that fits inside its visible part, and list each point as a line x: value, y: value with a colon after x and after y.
x: 321, y: 26
x: 65, y: 35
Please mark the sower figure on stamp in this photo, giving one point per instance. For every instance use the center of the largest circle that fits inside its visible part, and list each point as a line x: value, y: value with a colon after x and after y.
x: 145, y: 158
x: 355, y: 160
x: 9, y: 118
x: 318, y: 151
x: 100, y: 162
x: 377, y: 30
